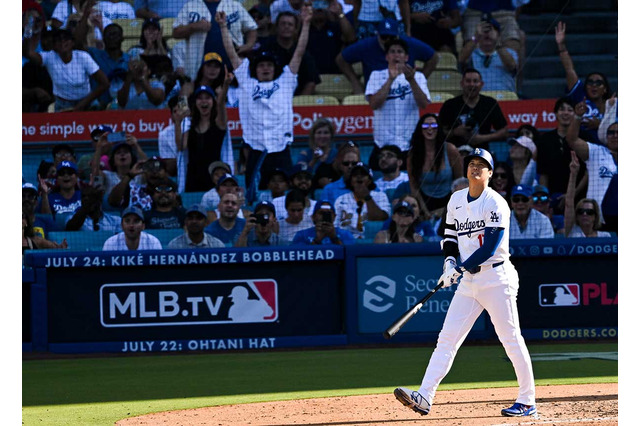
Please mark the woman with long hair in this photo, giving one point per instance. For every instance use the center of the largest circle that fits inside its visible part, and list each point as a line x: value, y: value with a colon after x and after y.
x: 151, y: 40
x: 432, y: 163
x: 321, y: 150
x: 210, y: 73
x: 207, y: 140
x: 503, y: 180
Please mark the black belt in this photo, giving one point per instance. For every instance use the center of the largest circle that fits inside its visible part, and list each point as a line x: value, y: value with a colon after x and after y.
x: 477, y: 268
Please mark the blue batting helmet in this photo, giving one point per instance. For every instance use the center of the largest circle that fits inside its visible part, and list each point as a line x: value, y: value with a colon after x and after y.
x: 479, y: 153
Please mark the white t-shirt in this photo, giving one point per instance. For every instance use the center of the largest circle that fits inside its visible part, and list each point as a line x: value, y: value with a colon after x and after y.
x: 210, y: 199
x: 538, y: 226
x: 346, y: 203
x: 266, y: 109
x: 288, y: 230
x: 118, y: 242
x: 383, y: 185
x: 120, y: 10
x: 394, y: 121
x: 601, y: 168
x: 167, y: 149
x: 470, y: 219
x: 370, y: 10
x: 70, y: 81
x: 281, y: 210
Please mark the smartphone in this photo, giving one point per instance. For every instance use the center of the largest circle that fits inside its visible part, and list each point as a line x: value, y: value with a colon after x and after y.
x: 183, y: 104
x: 116, y: 137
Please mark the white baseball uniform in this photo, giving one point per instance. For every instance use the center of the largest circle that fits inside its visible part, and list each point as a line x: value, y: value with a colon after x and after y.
x: 494, y: 288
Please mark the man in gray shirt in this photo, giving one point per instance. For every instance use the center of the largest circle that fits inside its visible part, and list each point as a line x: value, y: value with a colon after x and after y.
x: 195, y: 237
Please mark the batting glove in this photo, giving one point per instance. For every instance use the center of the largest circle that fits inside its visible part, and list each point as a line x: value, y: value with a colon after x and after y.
x: 451, y: 276
x: 449, y: 263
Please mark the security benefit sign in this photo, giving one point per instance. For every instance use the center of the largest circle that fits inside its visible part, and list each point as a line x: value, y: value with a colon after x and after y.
x: 389, y: 286
x: 189, y: 302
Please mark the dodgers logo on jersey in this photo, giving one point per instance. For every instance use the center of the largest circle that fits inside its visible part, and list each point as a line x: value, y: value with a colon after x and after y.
x: 194, y: 17
x: 494, y: 217
x: 604, y: 172
x: 469, y: 225
x: 399, y: 92
x: 259, y: 93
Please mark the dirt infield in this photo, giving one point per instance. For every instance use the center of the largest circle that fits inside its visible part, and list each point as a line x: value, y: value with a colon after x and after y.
x: 581, y: 404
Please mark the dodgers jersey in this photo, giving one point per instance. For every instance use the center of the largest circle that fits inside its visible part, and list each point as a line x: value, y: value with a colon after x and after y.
x: 489, y: 210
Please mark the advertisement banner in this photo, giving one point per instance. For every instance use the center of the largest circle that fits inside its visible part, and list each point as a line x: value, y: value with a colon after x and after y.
x: 348, y: 120
x: 568, y: 292
x: 388, y: 286
x: 225, y: 301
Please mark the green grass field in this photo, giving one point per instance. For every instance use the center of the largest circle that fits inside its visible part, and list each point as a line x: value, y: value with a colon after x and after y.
x: 100, y: 391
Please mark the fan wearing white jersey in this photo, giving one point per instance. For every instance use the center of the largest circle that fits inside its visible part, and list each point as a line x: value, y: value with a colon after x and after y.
x: 477, y: 229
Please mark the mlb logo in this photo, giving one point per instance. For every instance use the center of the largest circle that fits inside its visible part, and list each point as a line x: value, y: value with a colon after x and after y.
x: 551, y: 295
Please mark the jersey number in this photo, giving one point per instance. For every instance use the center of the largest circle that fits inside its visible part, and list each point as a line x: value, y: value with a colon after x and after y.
x: 480, y: 239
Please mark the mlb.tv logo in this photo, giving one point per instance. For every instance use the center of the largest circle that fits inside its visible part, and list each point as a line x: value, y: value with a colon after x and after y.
x: 563, y: 294
x: 189, y: 303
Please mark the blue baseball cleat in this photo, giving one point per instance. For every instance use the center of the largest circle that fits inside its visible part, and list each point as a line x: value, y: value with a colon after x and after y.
x: 520, y: 410
x: 413, y: 400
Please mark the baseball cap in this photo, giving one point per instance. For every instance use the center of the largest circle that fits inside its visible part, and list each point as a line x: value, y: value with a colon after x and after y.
x: 67, y: 165
x: 278, y: 171
x: 299, y: 169
x: 486, y: 17
x: 388, y: 27
x: 465, y: 149
x: 29, y: 187
x: 212, y: 56
x: 392, y: 148
x: 266, y: 205
x: 227, y: 177
x: 219, y: 165
x: 540, y: 188
x: 98, y: 131
x: 323, y: 205
x: 403, y: 205
x: 264, y: 56
x: 119, y: 144
x: 207, y: 89
x: 524, y: 141
x: 197, y: 208
x: 151, y: 22
x: 521, y: 190
x: 361, y: 166
x: 133, y: 210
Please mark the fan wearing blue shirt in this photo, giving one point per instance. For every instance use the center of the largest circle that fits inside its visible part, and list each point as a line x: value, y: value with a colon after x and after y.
x: 324, y: 232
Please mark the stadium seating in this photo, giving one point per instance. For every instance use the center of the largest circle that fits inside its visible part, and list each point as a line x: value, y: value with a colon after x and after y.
x: 131, y: 28
x: 445, y: 81
x: 165, y: 235
x: 448, y: 61
x: 129, y: 43
x: 191, y: 198
x: 336, y: 85
x: 357, y: 68
x: 437, y: 97
x: 354, y: 100
x: 81, y: 240
x: 501, y: 95
x: 167, y: 27
x: 311, y: 100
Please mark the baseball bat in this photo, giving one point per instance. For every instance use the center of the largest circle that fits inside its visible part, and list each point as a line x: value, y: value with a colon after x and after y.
x: 400, y: 322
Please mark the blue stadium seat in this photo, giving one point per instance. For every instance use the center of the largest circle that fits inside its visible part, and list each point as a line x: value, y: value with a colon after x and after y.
x: 165, y: 235
x: 81, y: 240
x: 191, y: 198
x: 371, y: 228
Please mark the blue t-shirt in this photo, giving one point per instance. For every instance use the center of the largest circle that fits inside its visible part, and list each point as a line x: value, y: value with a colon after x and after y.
x: 306, y: 237
x: 373, y: 58
x: 226, y: 236
x: 114, y: 70
x: 333, y: 190
x: 60, y: 205
x: 577, y: 94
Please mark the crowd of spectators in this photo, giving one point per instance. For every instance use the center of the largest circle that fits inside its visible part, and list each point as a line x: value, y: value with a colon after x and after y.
x: 561, y: 182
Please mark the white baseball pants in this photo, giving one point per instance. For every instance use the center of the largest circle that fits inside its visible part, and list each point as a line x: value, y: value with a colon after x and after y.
x: 493, y: 289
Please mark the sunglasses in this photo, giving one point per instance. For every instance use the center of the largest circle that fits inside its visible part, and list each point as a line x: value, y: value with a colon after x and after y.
x: 66, y: 172
x: 164, y: 188
x: 64, y: 155
x: 404, y: 213
x: 500, y: 175
x: 590, y: 212
x: 540, y: 198
x: 612, y: 132
x: 520, y: 199
x: 349, y: 163
x: 596, y: 83
x: 429, y: 125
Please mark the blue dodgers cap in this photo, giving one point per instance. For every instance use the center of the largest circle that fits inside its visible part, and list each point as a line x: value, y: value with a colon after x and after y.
x: 207, y: 89
x: 403, y: 205
x: 67, y: 165
x: 540, y: 188
x: 199, y: 208
x: 102, y: 128
x: 29, y: 187
x: 388, y: 27
x: 133, y: 210
x: 267, y: 205
x: 323, y: 205
x: 521, y: 190
x: 227, y: 177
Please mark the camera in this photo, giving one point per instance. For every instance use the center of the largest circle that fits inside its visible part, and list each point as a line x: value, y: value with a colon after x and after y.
x: 261, y: 219
x: 152, y: 166
x: 116, y: 137
x: 326, y: 217
x: 183, y: 104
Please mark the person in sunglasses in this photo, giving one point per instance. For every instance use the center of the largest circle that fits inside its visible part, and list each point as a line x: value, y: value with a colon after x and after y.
x: 348, y: 156
x: 585, y: 219
x: 433, y: 163
x: 166, y: 211
x: 527, y: 223
x: 595, y: 88
x: 486, y: 53
x: 542, y: 202
x: 503, y: 180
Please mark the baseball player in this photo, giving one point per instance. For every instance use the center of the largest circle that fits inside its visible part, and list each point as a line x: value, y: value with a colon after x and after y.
x: 477, y: 228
